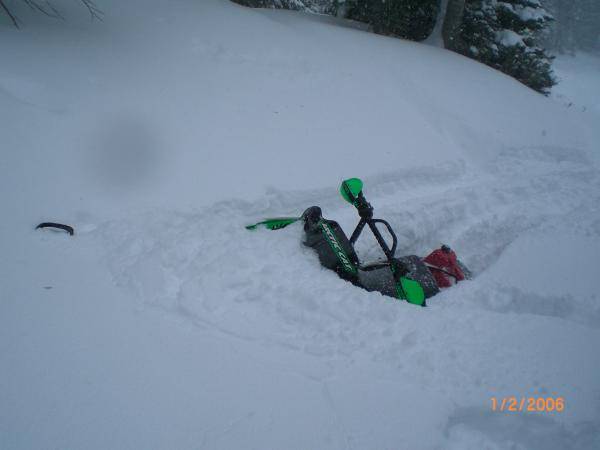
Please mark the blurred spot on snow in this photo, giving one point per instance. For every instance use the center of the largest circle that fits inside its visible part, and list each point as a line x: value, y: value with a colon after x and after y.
x: 124, y: 153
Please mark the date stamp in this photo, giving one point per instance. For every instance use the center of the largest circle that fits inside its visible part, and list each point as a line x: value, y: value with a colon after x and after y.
x: 528, y: 404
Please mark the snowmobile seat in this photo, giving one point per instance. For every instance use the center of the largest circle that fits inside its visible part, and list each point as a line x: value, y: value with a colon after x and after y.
x: 330, y: 242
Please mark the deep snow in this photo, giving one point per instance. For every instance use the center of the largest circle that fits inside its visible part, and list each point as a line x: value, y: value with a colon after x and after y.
x: 163, y: 323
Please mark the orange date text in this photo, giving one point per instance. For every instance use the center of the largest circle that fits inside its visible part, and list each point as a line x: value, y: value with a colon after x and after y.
x: 528, y: 404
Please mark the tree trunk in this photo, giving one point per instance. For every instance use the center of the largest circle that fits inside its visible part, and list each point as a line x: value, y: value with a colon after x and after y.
x: 452, y: 23
x: 436, y: 35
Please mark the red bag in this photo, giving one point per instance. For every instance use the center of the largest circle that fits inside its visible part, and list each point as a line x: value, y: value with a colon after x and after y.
x: 444, y: 266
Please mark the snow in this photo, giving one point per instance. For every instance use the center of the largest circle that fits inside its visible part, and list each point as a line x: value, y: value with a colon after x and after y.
x: 163, y: 323
x: 578, y: 85
x: 509, y: 38
x: 535, y: 12
x: 579, y: 90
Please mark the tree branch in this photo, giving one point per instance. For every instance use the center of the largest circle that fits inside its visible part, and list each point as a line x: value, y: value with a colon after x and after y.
x: 95, y: 12
x: 49, y: 10
x: 9, y: 14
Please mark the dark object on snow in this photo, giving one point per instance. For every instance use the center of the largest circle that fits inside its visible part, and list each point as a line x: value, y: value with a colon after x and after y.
x: 406, y: 278
x: 392, y: 277
x: 382, y: 276
x: 60, y: 226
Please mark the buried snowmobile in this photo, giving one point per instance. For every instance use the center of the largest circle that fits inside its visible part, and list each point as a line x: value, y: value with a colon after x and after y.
x: 409, y: 278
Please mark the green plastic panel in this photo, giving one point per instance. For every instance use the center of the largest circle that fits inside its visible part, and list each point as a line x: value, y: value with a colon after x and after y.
x: 350, y: 189
x: 276, y: 223
x: 411, y: 291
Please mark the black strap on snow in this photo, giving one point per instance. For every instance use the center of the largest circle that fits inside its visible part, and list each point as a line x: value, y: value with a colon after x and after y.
x: 61, y: 226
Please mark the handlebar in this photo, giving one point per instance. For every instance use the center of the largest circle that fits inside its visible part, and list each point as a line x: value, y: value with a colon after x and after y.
x: 389, y: 228
x: 365, y: 211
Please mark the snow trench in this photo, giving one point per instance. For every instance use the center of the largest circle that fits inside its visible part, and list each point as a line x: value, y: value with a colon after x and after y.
x: 204, y: 266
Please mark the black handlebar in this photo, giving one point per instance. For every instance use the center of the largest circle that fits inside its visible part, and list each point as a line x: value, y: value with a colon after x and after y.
x: 389, y: 228
x: 365, y: 211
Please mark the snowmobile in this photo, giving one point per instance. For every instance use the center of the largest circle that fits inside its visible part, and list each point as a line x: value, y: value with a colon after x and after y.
x: 409, y: 278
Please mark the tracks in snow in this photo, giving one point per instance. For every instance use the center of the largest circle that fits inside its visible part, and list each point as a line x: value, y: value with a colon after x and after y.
x: 265, y: 286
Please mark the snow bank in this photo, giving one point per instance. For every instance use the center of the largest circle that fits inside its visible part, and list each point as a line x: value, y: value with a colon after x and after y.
x: 163, y: 323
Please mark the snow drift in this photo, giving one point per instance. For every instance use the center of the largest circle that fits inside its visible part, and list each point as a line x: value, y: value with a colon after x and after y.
x: 163, y: 323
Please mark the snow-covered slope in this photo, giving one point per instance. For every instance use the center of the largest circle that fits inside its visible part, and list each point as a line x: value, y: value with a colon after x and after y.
x: 163, y: 323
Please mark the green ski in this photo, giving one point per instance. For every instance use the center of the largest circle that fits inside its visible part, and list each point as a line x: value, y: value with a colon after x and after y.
x: 276, y: 223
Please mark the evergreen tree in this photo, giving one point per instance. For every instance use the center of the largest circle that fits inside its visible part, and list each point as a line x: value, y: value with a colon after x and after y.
x: 409, y: 19
x: 313, y: 6
x: 505, y: 35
